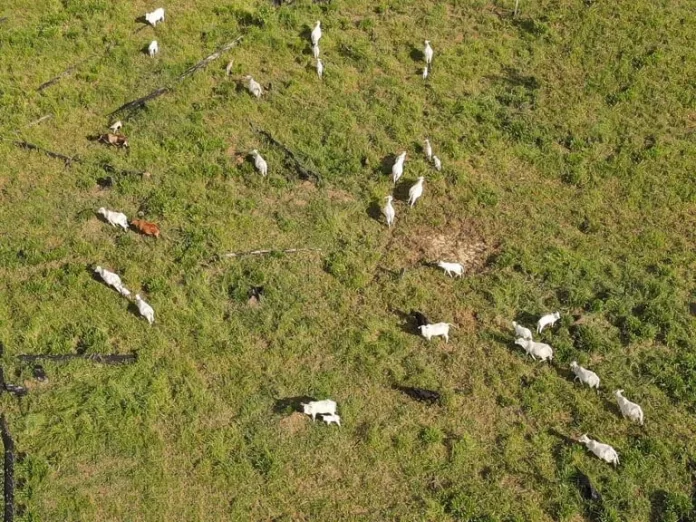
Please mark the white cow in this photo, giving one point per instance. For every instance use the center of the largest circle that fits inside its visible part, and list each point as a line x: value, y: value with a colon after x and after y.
x: 547, y: 320
x: 314, y: 408
x: 116, y: 126
x: 451, y: 269
x: 114, y: 218
x: 629, y: 409
x: 435, y: 330
x: 428, y: 52
x: 603, y: 451
x: 585, y: 376
x: 437, y: 163
x: 540, y: 350
x: 332, y: 419
x: 259, y: 162
x: 155, y: 16
x: 320, y: 68
x: 316, y: 34
x: 145, y: 309
x: 398, y: 167
x: 315, y: 51
x: 153, y: 48
x: 113, y: 280
x: 428, y: 150
x: 253, y: 86
x: 416, y: 191
x: 521, y: 331
x: 389, y: 212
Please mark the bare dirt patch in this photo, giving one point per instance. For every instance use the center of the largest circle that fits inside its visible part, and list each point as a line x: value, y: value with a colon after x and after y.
x: 462, y: 245
x: 293, y: 423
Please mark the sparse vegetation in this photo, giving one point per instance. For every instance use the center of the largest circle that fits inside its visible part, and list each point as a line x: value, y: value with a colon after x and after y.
x: 567, y: 140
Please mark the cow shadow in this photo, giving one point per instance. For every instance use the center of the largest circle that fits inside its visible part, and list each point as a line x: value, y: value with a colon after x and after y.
x: 416, y: 54
x: 386, y: 164
x: 291, y: 404
x: 401, y: 189
x: 374, y: 211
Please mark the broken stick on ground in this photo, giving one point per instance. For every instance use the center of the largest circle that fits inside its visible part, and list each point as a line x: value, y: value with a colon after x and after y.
x: 96, y: 357
x: 8, y: 443
x: 140, y: 102
x: 263, y: 252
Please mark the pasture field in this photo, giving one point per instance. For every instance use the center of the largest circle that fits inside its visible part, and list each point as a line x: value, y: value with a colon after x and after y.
x: 569, y: 183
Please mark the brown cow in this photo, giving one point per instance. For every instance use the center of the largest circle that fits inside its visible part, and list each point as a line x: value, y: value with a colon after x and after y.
x: 117, y: 140
x: 145, y: 227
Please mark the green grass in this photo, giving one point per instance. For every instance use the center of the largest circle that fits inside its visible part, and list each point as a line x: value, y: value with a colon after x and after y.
x: 567, y: 138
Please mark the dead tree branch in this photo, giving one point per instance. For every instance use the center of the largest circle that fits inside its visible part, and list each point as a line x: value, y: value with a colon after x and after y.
x: 304, y: 172
x: 42, y: 118
x: 9, y: 446
x: 140, y: 102
x: 56, y: 155
x: 72, y: 68
x: 264, y: 252
x: 96, y: 357
x: 69, y: 160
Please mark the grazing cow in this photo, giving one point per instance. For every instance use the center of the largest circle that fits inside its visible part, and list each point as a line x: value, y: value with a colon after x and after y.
x: 540, y: 350
x: 548, y: 320
x: 428, y: 53
x: 113, y: 280
x: 416, y: 191
x: 114, y: 218
x: 320, y: 68
x: 629, y: 409
x: 332, y: 419
x: 585, y: 376
x: 425, y: 72
x: 314, y: 408
x: 155, y: 16
x: 259, y: 162
x: 389, y: 212
x: 153, y: 48
x: 253, y: 86
x: 521, y: 331
x: 451, y: 269
x: 603, y: 451
x: 116, y: 126
x: 145, y: 309
x: 435, y: 330
x: 117, y: 140
x: 315, y: 51
x: 398, y: 167
x: 145, y: 227
x: 316, y: 34
x: 428, y: 150
x: 437, y: 163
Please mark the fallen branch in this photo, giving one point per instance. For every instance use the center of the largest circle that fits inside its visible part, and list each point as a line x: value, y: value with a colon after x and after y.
x: 57, y: 155
x: 304, y: 172
x: 264, y: 252
x: 71, y: 69
x: 140, y: 102
x: 205, y: 61
x: 14, y: 389
x: 135, y: 104
x: 97, y: 357
x: 42, y: 118
x: 69, y: 160
x: 8, y: 443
